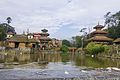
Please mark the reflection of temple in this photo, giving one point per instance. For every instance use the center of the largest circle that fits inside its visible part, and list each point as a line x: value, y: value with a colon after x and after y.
x: 99, y: 36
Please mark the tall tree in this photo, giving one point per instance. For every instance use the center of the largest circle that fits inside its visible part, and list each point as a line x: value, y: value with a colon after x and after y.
x: 79, y: 41
x: 112, y: 21
x: 9, y: 19
x: 66, y: 42
x: 2, y: 33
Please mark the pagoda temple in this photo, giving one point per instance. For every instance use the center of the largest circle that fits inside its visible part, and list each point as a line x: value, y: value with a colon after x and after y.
x: 117, y: 41
x: 43, y: 37
x: 99, y: 36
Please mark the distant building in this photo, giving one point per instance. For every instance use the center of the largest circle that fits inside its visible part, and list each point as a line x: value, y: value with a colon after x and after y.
x: 10, y: 34
x: 32, y: 40
x: 100, y: 36
x: 43, y: 38
x: 22, y: 41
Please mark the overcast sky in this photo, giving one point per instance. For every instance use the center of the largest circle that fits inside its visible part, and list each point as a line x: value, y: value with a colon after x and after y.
x: 63, y: 18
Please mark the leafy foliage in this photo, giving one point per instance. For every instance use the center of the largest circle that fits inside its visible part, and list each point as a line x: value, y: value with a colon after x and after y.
x: 107, y: 48
x: 66, y: 42
x: 2, y: 33
x: 113, y: 23
x: 64, y: 57
x: 93, y: 48
x: 64, y: 48
x: 4, y: 29
x: 77, y: 41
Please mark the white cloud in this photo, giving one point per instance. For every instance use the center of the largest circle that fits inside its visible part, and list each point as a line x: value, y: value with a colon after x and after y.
x: 55, y: 14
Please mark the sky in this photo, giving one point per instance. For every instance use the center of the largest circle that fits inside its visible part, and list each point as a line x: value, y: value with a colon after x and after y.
x: 62, y: 18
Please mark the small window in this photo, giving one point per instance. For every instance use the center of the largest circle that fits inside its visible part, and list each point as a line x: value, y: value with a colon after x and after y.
x: 30, y: 37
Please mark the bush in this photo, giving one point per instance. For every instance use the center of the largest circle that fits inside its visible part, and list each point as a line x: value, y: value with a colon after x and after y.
x: 64, y: 49
x: 107, y: 48
x: 93, y: 48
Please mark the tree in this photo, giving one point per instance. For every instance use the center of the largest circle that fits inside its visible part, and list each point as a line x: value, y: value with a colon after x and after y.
x: 2, y: 34
x: 4, y: 29
x: 9, y: 20
x: 78, y: 41
x: 64, y: 48
x: 93, y: 48
x: 112, y: 21
x: 66, y: 42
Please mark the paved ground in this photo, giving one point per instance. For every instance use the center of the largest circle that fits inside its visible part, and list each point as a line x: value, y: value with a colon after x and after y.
x: 39, y: 74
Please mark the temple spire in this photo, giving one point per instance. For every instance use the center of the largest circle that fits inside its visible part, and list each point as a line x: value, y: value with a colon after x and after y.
x: 98, y: 22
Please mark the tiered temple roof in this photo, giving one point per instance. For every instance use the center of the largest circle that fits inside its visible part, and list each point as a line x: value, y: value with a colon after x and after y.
x: 99, y: 35
x: 44, y: 36
x: 44, y: 32
x: 117, y: 40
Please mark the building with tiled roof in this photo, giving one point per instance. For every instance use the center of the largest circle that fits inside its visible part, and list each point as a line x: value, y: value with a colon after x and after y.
x: 117, y: 41
x: 32, y: 40
x: 43, y: 37
x: 99, y: 36
x: 22, y: 41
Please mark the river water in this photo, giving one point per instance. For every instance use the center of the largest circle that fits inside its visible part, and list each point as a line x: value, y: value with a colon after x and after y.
x: 45, y: 60
x: 55, y: 65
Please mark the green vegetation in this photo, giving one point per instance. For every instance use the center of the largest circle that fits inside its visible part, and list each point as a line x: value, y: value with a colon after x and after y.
x: 2, y: 32
x: 93, y: 48
x: 112, y: 21
x: 65, y: 58
x: 79, y: 41
x: 64, y: 48
x: 66, y: 42
x: 5, y: 28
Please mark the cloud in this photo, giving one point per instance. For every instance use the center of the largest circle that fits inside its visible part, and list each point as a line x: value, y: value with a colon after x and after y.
x: 58, y: 16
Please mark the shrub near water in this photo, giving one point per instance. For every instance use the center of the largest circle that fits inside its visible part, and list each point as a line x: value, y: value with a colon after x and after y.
x: 64, y: 48
x: 93, y: 48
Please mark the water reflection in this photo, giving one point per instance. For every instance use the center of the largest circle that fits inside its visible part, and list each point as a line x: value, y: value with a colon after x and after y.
x: 43, y: 59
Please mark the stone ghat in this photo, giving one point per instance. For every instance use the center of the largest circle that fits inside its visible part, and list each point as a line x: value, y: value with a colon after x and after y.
x: 39, y: 74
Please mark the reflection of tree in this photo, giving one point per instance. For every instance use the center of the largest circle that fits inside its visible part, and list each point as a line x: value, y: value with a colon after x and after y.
x: 93, y: 62
x: 65, y: 57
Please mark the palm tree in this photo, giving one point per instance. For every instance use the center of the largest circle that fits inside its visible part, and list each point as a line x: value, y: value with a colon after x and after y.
x: 9, y: 20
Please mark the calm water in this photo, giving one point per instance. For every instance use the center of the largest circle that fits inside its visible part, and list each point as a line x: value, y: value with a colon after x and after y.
x: 55, y: 60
